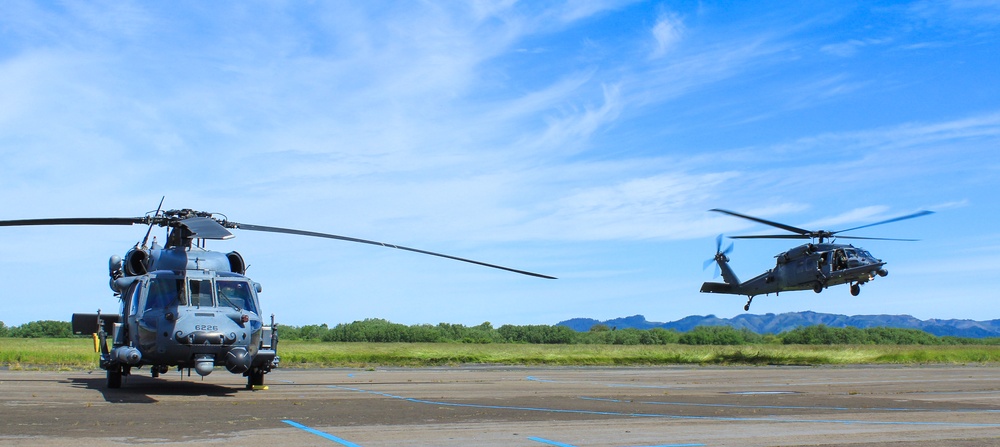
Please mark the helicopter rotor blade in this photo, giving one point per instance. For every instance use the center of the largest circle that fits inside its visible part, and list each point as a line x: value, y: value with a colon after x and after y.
x: 707, y: 263
x: 205, y: 228
x: 764, y: 221
x: 894, y: 219
x: 773, y: 236
x: 729, y: 249
x: 718, y: 251
x: 75, y: 221
x: 877, y: 238
x: 241, y: 226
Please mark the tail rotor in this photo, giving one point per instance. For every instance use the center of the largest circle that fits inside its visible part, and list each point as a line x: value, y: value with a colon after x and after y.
x: 720, y: 255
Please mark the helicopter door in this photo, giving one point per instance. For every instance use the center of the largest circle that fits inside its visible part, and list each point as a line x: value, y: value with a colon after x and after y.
x: 839, y: 259
x: 130, y: 308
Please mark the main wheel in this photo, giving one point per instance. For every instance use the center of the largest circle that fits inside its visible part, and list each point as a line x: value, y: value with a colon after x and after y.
x: 818, y: 287
x: 855, y: 289
x: 114, y: 376
x: 255, y: 377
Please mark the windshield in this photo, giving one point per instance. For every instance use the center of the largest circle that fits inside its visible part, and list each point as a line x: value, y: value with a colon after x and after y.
x: 201, y: 292
x: 163, y: 293
x: 235, y: 294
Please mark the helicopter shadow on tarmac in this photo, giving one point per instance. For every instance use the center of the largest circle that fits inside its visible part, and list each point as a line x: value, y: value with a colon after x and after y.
x: 143, y: 390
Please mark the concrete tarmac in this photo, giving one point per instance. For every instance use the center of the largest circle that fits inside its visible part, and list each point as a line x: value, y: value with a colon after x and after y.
x: 512, y: 406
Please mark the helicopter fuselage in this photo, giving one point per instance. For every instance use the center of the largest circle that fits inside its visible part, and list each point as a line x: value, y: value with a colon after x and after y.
x: 196, y: 310
x: 813, y: 266
x: 806, y: 267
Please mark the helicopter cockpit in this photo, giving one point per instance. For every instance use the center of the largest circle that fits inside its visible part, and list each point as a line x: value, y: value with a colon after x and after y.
x: 235, y: 294
x: 857, y: 257
x: 170, y: 292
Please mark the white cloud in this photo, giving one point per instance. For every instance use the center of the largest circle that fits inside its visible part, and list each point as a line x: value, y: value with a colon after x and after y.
x: 667, y: 32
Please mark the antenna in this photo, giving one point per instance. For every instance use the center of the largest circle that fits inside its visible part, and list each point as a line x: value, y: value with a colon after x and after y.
x: 148, y: 230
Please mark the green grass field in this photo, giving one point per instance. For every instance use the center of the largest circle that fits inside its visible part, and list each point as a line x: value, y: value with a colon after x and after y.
x: 78, y: 353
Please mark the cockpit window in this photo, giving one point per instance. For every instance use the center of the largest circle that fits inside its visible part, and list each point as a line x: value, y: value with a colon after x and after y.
x: 235, y: 294
x: 201, y: 292
x: 163, y: 293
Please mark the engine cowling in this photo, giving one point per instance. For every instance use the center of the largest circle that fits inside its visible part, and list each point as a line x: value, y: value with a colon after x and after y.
x: 137, y: 262
x: 236, y: 263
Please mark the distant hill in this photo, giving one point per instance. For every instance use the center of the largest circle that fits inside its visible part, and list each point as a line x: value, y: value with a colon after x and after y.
x: 777, y: 323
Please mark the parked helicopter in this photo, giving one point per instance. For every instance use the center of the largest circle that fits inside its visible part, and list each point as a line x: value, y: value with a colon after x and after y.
x: 816, y: 265
x: 185, y: 306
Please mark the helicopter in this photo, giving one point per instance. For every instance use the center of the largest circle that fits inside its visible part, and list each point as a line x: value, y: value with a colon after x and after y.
x: 184, y: 306
x: 815, y: 265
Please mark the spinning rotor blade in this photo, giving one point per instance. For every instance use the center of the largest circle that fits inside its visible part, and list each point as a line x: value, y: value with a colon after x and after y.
x: 877, y: 238
x: 718, y: 252
x: 365, y: 241
x: 821, y: 235
x: 707, y: 263
x: 765, y: 222
x: 773, y: 236
x: 895, y: 219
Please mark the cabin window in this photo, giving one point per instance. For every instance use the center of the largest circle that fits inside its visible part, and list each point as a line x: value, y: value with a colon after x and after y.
x: 235, y: 294
x: 201, y: 292
x: 163, y: 293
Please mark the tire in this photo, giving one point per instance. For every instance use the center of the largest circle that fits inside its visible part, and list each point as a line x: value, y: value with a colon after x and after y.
x: 255, y: 377
x: 114, y: 377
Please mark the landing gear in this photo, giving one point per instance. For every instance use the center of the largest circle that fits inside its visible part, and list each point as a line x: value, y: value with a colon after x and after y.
x: 156, y: 370
x: 855, y: 289
x: 747, y: 307
x: 114, y: 376
x: 255, y: 378
x: 818, y: 287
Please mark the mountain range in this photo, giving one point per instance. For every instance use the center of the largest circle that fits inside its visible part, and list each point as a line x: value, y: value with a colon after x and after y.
x: 777, y: 323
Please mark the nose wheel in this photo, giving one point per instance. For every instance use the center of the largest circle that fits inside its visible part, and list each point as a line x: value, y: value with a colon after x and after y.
x: 114, y: 376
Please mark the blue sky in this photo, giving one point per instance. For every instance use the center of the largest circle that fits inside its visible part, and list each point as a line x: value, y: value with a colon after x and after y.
x: 584, y: 140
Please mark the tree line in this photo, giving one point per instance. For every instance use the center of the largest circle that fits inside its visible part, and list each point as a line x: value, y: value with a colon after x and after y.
x: 382, y: 331
x: 376, y: 330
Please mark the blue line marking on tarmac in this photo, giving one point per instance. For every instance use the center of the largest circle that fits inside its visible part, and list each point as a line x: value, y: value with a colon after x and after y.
x: 546, y: 441
x: 665, y: 416
x: 321, y: 434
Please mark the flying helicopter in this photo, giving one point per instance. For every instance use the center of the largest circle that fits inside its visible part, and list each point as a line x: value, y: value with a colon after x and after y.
x: 816, y: 265
x: 184, y: 306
